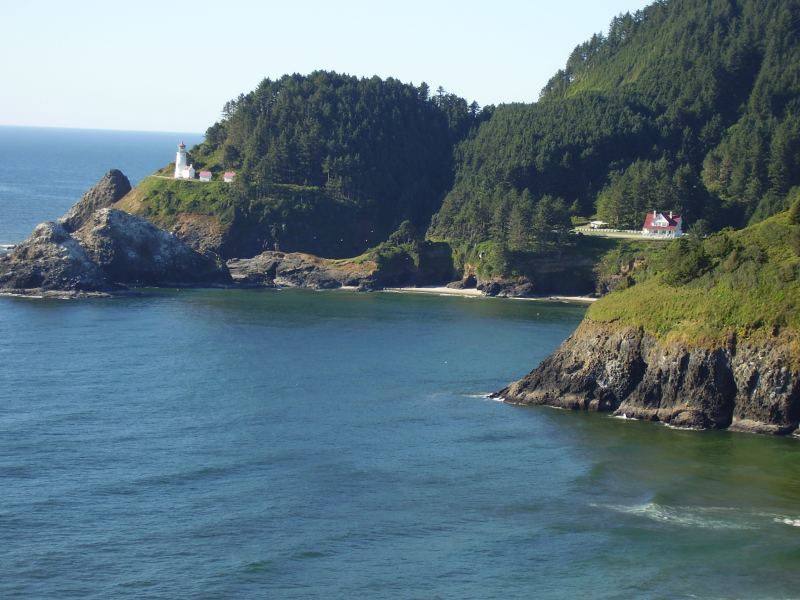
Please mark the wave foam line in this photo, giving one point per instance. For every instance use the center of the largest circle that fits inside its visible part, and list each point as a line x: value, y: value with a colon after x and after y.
x: 712, y: 517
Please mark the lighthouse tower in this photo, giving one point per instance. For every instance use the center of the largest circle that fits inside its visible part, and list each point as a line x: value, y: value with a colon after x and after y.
x: 180, y: 161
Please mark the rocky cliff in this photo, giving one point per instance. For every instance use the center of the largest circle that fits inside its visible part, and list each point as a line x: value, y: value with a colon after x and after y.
x: 101, y: 251
x: 706, y: 335
x: 110, y: 189
x: 613, y: 368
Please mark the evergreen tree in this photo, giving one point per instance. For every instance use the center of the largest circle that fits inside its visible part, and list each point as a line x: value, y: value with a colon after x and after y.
x: 686, y: 105
x: 333, y: 164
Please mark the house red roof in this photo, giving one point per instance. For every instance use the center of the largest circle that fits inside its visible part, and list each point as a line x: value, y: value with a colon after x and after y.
x: 205, y: 173
x: 672, y: 220
x: 229, y: 174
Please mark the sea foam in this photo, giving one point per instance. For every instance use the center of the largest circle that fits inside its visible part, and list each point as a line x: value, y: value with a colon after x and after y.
x: 706, y: 517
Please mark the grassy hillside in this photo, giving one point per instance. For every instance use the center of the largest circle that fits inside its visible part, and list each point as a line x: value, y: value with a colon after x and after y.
x: 161, y: 199
x: 734, y: 282
x: 289, y: 216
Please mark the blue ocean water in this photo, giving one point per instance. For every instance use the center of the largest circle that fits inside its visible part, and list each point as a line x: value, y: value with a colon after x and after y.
x: 298, y: 444
x: 44, y: 171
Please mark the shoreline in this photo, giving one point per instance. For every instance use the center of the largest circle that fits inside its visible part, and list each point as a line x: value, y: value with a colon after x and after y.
x: 39, y: 294
x: 474, y: 293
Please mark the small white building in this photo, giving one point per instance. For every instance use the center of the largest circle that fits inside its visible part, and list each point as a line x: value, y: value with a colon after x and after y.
x: 229, y: 176
x: 182, y: 170
x: 663, y: 224
x: 205, y: 175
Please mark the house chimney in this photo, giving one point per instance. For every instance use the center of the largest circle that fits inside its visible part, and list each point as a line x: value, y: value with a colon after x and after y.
x: 654, y: 214
x: 670, y: 214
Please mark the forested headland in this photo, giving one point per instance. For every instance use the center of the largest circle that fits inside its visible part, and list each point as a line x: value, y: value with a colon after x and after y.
x: 687, y: 105
x: 332, y: 164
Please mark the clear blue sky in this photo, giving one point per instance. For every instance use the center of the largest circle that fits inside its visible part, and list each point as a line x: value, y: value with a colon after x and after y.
x: 170, y: 66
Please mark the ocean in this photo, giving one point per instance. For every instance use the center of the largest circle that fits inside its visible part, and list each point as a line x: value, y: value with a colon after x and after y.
x: 44, y: 171
x: 300, y: 444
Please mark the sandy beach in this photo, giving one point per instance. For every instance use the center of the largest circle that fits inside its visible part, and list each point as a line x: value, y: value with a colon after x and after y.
x: 473, y: 293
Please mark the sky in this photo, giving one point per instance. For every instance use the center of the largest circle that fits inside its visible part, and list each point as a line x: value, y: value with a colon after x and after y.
x: 170, y: 66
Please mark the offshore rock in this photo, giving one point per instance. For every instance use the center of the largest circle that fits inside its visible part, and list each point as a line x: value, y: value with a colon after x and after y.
x: 110, y: 189
x: 109, y: 251
x: 607, y: 367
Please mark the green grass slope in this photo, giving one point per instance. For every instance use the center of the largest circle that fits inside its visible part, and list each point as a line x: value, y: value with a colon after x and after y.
x: 161, y: 199
x: 734, y: 283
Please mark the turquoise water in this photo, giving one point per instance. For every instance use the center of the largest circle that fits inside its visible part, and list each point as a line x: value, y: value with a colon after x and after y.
x: 298, y: 444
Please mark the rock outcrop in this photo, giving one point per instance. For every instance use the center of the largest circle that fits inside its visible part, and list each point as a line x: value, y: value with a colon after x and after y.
x: 295, y: 269
x: 468, y: 282
x: 108, y: 252
x: 567, y: 275
x: 131, y: 250
x: 517, y: 287
x: 50, y: 259
x: 110, y: 189
x: 366, y: 273
x: 745, y: 386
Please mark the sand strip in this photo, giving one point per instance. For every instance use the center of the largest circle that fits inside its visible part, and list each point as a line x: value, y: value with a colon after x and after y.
x: 473, y: 293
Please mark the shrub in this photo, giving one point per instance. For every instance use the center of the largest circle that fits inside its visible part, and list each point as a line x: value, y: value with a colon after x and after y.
x: 686, y: 260
x: 794, y: 211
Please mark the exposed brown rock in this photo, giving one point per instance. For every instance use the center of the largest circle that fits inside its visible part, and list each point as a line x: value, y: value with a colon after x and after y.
x: 296, y: 269
x: 203, y: 233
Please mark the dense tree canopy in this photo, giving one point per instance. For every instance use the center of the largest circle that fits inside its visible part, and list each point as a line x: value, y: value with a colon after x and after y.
x: 686, y: 105
x: 332, y: 164
x: 564, y: 149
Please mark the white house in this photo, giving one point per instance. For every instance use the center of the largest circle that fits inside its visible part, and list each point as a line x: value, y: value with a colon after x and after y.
x: 229, y: 176
x: 182, y: 170
x: 663, y: 224
x: 205, y: 175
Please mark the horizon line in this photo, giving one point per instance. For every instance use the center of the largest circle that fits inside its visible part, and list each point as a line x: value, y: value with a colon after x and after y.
x: 96, y: 129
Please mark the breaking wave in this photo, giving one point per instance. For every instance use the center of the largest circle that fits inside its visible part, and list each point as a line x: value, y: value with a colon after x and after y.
x: 711, y: 517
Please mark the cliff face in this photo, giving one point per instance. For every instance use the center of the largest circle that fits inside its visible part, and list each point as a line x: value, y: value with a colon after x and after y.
x: 608, y: 367
x: 99, y: 251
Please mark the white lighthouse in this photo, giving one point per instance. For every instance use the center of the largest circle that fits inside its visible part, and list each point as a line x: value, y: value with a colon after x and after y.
x: 182, y: 171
